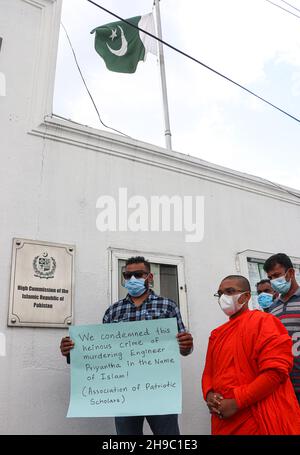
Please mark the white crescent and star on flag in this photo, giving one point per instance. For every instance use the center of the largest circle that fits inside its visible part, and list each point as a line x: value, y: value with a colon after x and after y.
x: 124, y: 44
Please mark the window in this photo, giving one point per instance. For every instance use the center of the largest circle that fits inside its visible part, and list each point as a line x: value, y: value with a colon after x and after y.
x: 250, y: 264
x: 168, y: 281
x: 256, y: 271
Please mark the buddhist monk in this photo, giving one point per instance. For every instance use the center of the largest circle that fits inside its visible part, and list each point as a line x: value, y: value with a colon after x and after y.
x: 246, y: 380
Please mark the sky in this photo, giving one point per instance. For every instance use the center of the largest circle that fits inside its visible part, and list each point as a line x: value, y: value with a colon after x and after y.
x: 250, y: 41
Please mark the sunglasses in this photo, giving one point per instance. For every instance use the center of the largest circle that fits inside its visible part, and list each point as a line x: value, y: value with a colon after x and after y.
x: 135, y: 273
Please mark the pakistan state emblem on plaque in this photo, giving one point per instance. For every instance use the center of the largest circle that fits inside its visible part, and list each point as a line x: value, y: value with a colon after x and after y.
x: 44, y: 266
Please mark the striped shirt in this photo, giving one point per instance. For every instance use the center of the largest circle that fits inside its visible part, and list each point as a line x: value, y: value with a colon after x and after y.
x: 153, y: 307
x: 289, y: 314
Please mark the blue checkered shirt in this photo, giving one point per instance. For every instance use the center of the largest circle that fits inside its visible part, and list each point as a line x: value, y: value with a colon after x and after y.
x: 154, y: 307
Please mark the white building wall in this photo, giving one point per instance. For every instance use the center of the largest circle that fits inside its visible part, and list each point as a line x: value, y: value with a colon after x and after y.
x: 51, y: 175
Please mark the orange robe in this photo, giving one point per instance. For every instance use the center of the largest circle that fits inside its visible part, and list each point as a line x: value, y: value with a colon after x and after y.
x: 249, y: 358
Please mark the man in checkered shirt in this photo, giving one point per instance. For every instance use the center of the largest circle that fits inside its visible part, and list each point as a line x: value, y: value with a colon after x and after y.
x: 140, y: 304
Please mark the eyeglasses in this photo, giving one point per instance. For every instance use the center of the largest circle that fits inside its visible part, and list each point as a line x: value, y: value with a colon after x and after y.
x: 135, y: 273
x: 230, y: 291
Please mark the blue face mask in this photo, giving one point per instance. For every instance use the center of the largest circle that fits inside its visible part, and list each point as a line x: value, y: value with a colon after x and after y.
x: 135, y: 286
x: 265, y: 300
x: 281, y: 285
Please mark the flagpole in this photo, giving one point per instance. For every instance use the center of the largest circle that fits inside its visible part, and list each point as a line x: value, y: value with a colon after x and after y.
x: 168, y: 135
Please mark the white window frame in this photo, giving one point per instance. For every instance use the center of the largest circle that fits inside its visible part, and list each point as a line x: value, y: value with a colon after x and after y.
x: 115, y: 254
x: 243, y: 256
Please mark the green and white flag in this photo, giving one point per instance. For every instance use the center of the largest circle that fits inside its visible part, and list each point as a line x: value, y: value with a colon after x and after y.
x: 122, y: 46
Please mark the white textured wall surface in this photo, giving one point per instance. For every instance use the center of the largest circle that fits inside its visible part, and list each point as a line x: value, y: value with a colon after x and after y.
x: 48, y: 191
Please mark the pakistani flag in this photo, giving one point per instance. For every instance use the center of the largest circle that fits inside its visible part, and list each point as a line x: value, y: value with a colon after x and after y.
x: 122, y: 46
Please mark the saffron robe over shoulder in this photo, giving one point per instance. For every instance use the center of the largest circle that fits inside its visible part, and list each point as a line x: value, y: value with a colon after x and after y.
x: 249, y: 358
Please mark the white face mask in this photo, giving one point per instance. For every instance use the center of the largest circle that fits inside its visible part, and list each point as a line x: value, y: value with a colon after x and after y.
x: 229, y: 303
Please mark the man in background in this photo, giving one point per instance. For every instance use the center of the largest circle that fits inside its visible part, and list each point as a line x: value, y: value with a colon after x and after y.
x: 265, y: 294
x: 286, y: 307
